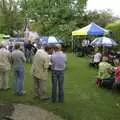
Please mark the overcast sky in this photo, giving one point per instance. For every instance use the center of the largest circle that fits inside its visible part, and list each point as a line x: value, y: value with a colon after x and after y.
x: 114, y: 5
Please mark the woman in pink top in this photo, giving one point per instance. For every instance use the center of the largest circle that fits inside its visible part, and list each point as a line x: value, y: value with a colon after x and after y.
x: 117, y: 74
x: 116, y: 85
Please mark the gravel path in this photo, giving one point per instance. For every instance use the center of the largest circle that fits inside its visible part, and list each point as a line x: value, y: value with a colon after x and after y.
x: 26, y: 112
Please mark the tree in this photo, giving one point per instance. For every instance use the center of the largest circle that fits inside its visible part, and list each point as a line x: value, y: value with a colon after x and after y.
x: 54, y: 17
x: 102, y: 17
x: 11, y: 16
x: 115, y: 29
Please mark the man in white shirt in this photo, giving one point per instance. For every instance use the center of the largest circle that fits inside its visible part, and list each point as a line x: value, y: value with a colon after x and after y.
x: 85, y: 44
x: 97, y: 59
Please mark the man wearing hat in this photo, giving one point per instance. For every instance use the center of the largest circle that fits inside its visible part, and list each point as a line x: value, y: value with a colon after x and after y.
x: 58, y: 60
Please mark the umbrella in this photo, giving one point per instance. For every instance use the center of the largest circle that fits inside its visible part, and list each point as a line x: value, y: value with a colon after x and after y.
x: 103, y: 41
x: 43, y: 40
x: 91, y: 29
x: 48, y: 40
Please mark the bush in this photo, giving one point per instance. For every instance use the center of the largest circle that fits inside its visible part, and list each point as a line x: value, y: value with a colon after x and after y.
x: 115, y: 28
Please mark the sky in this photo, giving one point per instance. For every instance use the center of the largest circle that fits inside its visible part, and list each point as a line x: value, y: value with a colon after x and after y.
x: 114, y: 5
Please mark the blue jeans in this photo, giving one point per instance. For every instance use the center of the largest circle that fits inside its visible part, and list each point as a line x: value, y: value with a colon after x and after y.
x: 18, y: 80
x: 58, y: 80
x: 29, y: 55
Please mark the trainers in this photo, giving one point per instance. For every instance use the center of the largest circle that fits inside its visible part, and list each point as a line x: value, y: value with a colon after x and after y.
x: 44, y: 98
x: 23, y: 92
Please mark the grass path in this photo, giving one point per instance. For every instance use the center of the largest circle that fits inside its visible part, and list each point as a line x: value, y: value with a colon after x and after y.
x: 83, y: 101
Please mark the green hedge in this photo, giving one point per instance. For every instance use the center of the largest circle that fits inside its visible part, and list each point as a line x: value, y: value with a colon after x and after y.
x: 115, y: 28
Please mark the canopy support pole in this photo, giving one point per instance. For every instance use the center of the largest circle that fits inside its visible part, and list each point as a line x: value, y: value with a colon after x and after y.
x: 72, y: 45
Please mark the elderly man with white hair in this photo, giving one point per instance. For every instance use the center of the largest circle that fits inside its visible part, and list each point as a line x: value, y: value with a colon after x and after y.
x: 5, y: 58
x: 58, y: 60
x: 40, y: 72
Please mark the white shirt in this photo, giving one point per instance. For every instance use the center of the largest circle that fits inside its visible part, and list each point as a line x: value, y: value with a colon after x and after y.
x: 50, y: 60
x: 85, y: 43
x: 97, y: 57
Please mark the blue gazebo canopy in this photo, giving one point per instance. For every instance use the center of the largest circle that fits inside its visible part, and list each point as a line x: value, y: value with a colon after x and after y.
x: 91, y: 29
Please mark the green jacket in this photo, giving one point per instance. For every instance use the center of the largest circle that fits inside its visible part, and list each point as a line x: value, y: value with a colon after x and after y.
x: 105, y: 70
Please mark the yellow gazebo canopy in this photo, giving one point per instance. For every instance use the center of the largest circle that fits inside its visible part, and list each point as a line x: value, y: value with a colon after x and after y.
x: 91, y: 29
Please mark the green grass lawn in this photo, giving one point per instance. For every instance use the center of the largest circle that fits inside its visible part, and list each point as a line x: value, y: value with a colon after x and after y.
x: 83, y: 101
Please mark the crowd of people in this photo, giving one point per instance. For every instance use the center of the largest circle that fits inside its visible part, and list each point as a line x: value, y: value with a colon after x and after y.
x: 81, y: 47
x: 108, y: 65
x: 97, y: 57
x: 104, y: 59
x: 16, y: 60
x: 43, y: 58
